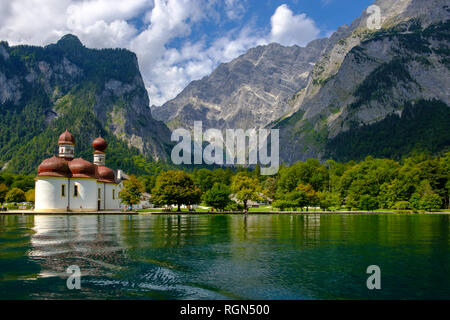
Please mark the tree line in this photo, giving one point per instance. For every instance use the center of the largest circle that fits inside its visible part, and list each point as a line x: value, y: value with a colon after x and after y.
x: 420, y: 182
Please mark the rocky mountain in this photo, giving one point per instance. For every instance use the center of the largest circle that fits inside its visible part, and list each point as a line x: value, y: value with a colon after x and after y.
x: 382, y: 92
x: 44, y: 90
x: 364, y: 91
x: 248, y: 92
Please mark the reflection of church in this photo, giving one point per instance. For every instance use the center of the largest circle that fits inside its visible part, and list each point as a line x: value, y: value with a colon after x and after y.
x: 67, y: 184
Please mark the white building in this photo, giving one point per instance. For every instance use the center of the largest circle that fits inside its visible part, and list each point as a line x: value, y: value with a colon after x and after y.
x: 67, y: 184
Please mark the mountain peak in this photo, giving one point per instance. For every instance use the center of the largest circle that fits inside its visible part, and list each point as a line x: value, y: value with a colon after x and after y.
x: 69, y: 40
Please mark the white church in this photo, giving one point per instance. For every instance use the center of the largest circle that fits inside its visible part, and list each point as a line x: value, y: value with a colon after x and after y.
x: 67, y: 184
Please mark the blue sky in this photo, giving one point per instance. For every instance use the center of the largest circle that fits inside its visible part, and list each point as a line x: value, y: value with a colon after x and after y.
x: 176, y: 41
x: 328, y: 15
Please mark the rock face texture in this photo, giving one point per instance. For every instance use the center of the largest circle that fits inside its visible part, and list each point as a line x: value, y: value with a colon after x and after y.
x: 248, y: 92
x: 383, y: 92
x: 44, y: 90
x: 328, y: 97
x: 369, y: 75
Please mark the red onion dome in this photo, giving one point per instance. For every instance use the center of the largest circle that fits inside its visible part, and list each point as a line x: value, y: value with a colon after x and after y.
x: 54, y: 167
x: 81, y: 168
x: 66, y: 138
x: 106, y: 174
x: 99, y: 144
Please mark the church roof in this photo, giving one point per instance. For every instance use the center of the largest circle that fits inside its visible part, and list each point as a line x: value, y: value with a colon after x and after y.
x: 106, y: 174
x: 54, y: 167
x: 77, y: 168
x: 81, y: 168
x: 66, y: 138
x: 99, y: 144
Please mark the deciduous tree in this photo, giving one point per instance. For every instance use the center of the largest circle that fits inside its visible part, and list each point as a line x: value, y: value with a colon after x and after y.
x: 175, y: 188
x: 15, y: 195
x: 246, y: 188
x: 132, y: 191
x: 218, y: 196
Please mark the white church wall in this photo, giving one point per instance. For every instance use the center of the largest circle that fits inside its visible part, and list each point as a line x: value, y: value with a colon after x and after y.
x: 49, y: 194
x: 112, y: 203
x: 86, y: 200
x: 108, y: 200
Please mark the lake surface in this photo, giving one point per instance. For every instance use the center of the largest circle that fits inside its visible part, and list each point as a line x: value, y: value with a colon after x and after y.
x: 225, y: 257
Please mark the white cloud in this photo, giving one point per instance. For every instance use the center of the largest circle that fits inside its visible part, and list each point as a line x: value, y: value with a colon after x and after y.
x: 31, y: 22
x: 235, y: 9
x: 289, y: 29
x: 148, y: 27
x: 87, y: 13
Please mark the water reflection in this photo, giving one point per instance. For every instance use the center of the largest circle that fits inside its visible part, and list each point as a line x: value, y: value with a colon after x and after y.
x: 219, y: 256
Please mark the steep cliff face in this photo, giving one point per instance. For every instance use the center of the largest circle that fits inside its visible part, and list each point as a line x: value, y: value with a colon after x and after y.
x: 248, y: 92
x: 370, y: 75
x: 44, y: 90
x: 328, y: 98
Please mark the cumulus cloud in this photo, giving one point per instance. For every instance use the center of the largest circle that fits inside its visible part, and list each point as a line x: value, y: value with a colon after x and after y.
x: 149, y: 28
x: 289, y: 29
x: 235, y: 9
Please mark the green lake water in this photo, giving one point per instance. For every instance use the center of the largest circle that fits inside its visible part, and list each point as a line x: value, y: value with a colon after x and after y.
x: 225, y: 257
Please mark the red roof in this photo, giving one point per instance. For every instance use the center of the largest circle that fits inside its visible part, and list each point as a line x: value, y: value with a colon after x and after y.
x: 99, y: 144
x: 66, y: 138
x: 106, y: 174
x: 54, y: 167
x: 81, y: 168
x: 76, y: 168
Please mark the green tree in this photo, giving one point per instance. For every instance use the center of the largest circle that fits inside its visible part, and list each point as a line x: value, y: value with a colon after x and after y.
x: 149, y: 182
x: 415, y: 200
x: 7, y: 178
x: 351, y: 202
x: 132, y: 191
x: 270, y: 188
x: 296, y: 199
x: 282, y: 204
x: 312, y: 198
x: 425, y: 198
x: 246, y: 188
x: 3, y: 191
x: 329, y: 200
x: 15, y: 195
x: 204, y: 179
x: 223, y: 176
x: 402, y: 205
x: 24, y: 183
x: 177, y: 188
x: 430, y: 201
x: 218, y: 196
x: 30, y: 195
x: 368, y: 203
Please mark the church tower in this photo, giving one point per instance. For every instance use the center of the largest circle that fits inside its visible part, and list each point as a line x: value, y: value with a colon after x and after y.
x: 100, y: 146
x: 66, y: 144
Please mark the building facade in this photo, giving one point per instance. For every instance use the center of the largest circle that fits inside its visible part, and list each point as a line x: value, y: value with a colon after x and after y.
x: 65, y: 183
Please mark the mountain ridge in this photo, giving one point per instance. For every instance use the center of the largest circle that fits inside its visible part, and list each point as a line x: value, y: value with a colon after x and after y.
x: 265, y: 75
x: 88, y: 91
x: 355, y: 70
x: 356, y: 65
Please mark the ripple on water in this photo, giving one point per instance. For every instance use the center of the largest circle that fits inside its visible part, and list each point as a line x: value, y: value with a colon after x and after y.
x: 225, y: 257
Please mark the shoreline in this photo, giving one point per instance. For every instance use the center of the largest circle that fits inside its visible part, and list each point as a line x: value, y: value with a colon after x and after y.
x: 28, y: 212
